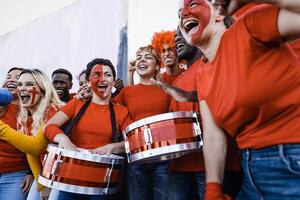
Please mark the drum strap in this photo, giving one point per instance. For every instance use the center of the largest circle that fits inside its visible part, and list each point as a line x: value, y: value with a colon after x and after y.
x: 77, y: 117
x: 113, y: 122
x: 82, y: 110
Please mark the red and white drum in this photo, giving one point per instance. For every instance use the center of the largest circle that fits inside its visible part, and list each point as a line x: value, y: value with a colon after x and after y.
x: 80, y: 172
x: 163, y: 137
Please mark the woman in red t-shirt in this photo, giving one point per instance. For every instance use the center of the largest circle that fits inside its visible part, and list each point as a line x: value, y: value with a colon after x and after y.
x: 146, y: 181
x: 14, y: 167
x: 38, y: 102
x: 249, y: 87
x: 94, y: 129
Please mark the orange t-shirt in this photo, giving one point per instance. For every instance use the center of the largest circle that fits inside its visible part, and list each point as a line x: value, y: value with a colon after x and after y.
x: 171, y: 78
x: 194, y: 162
x: 143, y: 100
x: 187, y: 81
x: 296, y: 47
x: 11, y: 159
x: 94, y: 127
x: 252, y: 86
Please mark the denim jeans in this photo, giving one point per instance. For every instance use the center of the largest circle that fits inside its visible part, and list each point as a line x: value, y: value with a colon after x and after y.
x: 186, y: 185
x: 73, y: 196
x: 10, y: 185
x: 271, y: 173
x: 53, y: 194
x: 33, y: 194
x: 148, y: 181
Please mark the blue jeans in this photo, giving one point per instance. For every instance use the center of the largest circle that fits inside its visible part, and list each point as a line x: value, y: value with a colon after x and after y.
x: 271, y: 173
x: 73, y: 196
x: 148, y: 181
x: 186, y: 185
x: 10, y: 185
x: 33, y: 194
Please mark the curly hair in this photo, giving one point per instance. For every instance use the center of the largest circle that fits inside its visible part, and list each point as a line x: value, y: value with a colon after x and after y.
x: 163, y: 37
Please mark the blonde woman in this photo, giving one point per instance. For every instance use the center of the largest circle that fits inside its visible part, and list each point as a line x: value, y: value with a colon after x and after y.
x: 38, y: 102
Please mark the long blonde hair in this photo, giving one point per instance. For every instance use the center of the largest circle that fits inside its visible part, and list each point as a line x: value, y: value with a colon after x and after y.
x: 48, y: 98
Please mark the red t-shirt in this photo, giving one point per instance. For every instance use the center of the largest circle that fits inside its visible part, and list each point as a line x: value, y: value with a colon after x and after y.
x: 143, y: 100
x: 194, y: 162
x: 296, y: 47
x: 94, y: 127
x: 187, y: 81
x: 170, y: 78
x: 11, y: 159
x: 252, y: 86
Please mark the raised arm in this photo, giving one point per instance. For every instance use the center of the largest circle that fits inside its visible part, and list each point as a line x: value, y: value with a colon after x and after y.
x: 214, y: 150
x: 288, y: 18
x: 130, y: 72
x: 33, y: 145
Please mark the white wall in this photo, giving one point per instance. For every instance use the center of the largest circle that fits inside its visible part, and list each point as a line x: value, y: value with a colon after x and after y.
x: 68, y: 38
x: 16, y: 13
x: 72, y: 36
x: 147, y: 17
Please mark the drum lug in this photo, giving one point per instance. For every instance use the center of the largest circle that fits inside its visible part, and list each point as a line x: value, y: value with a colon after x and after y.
x: 56, y: 167
x: 197, y: 129
x: 127, y: 149
x: 108, y: 178
x: 148, y: 136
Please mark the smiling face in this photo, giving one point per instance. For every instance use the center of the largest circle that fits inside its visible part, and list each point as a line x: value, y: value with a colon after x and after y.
x: 62, y: 85
x: 194, y: 17
x: 168, y: 55
x: 146, y: 64
x: 184, y: 50
x: 82, y: 81
x: 10, y: 81
x: 29, y: 92
x: 101, y: 80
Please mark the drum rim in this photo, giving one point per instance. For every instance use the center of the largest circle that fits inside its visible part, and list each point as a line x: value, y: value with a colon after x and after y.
x: 158, y: 118
x: 106, y: 159
x: 75, y: 188
x: 175, y: 148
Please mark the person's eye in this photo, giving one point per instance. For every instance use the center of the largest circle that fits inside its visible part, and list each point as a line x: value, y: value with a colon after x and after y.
x: 193, y: 4
x: 149, y: 57
x: 96, y: 75
x: 19, y: 84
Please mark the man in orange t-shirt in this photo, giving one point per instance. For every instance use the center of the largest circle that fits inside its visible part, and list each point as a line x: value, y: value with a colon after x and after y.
x: 62, y: 82
x: 163, y: 42
x: 14, y: 169
x: 249, y: 87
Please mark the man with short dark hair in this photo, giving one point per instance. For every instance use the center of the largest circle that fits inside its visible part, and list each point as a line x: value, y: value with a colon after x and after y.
x: 62, y: 82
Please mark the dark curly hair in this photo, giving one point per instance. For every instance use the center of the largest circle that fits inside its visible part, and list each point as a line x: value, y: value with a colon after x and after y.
x: 99, y: 61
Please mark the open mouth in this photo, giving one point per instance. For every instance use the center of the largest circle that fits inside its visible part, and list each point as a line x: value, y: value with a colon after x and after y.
x: 102, y: 87
x: 24, y: 97
x: 143, y: 67
x: 190, y: 24
x: 59, y: 92
x: 11, y: 86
